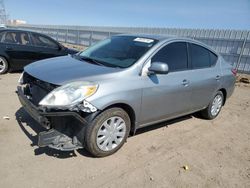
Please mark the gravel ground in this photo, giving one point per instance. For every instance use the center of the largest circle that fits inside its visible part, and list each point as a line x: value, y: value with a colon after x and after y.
x: 217, y: 152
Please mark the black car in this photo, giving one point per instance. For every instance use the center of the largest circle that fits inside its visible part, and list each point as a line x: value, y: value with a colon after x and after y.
x: 19, y: 48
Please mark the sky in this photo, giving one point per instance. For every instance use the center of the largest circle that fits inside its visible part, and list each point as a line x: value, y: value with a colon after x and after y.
x: 203, y: 14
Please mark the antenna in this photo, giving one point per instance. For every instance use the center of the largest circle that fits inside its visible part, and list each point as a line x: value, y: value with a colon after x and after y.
x: 3, y: 15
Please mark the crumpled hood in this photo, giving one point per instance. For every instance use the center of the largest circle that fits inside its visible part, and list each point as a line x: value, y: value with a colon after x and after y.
x: 65, y: 69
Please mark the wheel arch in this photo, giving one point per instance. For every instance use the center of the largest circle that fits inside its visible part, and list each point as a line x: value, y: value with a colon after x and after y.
x: 129, y: 110
x: 6, y: 57
x: 224, y: 91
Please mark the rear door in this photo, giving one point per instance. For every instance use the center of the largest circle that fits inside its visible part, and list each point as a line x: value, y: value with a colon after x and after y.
x: 45, y: 47
x: 167, y: 95
x: 18, y: 48
x: 206, y: 75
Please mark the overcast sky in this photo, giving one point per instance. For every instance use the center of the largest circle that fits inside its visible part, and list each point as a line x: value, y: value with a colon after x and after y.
x: 222, y: 14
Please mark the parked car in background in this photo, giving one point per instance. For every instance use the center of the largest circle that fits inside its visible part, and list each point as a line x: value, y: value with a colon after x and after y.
x: 19, y: 48
x: 95, y: 98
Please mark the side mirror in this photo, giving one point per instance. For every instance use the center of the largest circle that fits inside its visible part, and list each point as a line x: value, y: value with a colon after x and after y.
x: 158, y: 68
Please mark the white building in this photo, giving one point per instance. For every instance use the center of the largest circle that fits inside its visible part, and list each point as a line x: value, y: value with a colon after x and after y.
x: 17, y: 22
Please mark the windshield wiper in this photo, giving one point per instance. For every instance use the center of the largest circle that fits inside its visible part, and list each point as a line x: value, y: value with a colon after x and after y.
x: 99, y: 62
x: 85, y: 58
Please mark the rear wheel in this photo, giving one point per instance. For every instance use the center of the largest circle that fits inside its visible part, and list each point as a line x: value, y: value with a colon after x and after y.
x: 107, y: 132
x: 4, y: 66
x: 214, y: 107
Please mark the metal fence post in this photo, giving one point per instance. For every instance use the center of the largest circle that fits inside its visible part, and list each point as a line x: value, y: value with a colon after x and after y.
x: 66, y: 38
x: 90, y: 38
x: 57, y: 34
x: 78, y: 37
x: 194, y: 34
x: 241, y: 52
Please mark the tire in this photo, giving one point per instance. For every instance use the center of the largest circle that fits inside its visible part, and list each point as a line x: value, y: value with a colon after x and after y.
x: 115, y: 123
x: 208, y: 113
x: 4, y: 66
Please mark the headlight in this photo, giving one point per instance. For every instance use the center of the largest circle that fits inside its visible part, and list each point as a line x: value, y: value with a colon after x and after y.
x: 69, y: 95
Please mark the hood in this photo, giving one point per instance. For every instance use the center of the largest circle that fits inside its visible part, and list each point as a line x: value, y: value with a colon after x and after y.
x: 65, y: 69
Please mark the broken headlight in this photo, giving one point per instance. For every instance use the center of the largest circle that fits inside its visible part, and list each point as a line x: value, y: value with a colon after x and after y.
x: 69, y: 94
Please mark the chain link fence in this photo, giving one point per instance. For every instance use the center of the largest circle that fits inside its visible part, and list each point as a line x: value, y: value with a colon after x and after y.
x: 233, y: 45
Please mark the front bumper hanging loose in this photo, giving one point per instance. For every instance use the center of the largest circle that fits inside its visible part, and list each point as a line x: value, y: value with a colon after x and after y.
x: 52, y: 138
x: 57, y: 140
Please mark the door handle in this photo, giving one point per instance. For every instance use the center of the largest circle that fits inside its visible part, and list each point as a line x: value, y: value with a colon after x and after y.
x: 185, y: 82
x: 217, y: 77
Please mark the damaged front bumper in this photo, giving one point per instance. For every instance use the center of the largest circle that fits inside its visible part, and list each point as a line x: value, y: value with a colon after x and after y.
x: 65, y: 128
x: 57, y: 140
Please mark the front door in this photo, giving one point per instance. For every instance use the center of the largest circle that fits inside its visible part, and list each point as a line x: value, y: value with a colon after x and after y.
x: 44, y: 47
x: 167, y: 95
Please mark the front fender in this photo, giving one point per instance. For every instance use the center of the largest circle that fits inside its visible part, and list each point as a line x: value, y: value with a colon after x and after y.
x: 130, y: 98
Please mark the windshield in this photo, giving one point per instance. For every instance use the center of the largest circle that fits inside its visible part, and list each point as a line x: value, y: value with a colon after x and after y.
x: 118, y: 51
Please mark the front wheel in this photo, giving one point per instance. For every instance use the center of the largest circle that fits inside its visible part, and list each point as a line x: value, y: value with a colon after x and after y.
x: 214, y: 107
x: 107, y: 132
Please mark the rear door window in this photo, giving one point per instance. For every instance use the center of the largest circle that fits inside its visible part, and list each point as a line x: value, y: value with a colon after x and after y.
x: 174, y: 54
x: 43, y: 41
x: 201, y: 57
x: 11, y: 38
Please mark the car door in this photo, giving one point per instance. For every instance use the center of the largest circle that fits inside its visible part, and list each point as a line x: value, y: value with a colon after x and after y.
x: 206, y: 75
x: 167, y: 95
x: 44, y: 47
x: 18, y: 48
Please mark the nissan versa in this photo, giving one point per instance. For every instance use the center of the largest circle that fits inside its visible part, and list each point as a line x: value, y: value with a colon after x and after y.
x: 96, y: 98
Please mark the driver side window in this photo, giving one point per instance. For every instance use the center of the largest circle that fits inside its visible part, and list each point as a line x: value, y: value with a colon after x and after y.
x: 174, y: 54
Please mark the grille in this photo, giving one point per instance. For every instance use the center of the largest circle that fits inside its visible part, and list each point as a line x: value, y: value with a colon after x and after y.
x: 37, y: 89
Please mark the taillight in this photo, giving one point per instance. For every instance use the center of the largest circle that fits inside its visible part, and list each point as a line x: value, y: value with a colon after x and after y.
x: 234, y: 71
